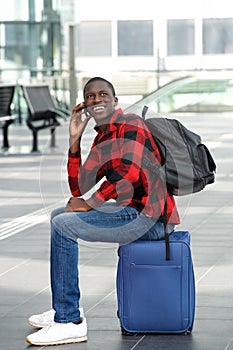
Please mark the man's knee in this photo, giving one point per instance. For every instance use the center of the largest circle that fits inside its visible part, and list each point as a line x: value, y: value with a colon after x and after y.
x: 58, y: 221
x: 64, y: 225
x: 56, y: 212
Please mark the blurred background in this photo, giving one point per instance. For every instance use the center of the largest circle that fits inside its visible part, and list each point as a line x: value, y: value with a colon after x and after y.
x: 139, y: 46
x: 175, y: 57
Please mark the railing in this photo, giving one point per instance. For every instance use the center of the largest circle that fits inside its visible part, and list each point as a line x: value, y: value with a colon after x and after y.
x: 126, y: 83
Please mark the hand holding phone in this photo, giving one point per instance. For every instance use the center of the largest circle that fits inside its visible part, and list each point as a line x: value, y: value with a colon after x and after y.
x: 79, y: 120
x: 81, y: 107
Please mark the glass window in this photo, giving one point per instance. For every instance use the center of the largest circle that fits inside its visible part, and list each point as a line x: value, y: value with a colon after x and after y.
x: 17, y: 34
x: 14, y: 10
x: 217, y: 36
x: 94, y: 38
x: 135, y: 38
x: 180, y: 37
x: 23, y: 43
x: 17, y: 43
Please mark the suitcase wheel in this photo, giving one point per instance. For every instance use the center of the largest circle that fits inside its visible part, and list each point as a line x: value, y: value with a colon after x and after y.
x: 125, y: 332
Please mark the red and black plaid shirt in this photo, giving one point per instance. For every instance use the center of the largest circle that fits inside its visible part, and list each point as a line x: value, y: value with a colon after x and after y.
x: 116, y: 155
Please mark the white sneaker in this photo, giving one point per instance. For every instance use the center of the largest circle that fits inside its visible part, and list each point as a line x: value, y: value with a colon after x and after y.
x: 59, y: 333
x: 46, y: 318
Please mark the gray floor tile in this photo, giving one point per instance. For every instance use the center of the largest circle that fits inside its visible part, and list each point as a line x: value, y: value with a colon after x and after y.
x: 29, y: 184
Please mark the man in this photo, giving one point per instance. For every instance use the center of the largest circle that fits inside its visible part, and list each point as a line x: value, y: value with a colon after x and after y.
x: 128, y: 204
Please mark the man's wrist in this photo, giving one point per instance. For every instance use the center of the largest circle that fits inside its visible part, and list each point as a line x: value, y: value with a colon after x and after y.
x: 74, y: 145
x: 91, y: 203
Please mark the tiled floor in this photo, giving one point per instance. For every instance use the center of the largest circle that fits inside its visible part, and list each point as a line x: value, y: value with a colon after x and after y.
x: 31, y: 185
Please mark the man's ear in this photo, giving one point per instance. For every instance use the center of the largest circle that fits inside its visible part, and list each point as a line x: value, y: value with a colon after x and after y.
x: 115, y: 101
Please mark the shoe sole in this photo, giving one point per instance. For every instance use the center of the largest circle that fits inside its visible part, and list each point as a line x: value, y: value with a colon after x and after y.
x: 59, y: 342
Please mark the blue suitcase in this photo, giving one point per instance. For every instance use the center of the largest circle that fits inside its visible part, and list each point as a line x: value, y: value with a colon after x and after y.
x: 156, y: 295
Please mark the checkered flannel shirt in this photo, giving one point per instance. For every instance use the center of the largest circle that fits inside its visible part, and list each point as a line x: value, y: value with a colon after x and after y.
x: 116, y: 157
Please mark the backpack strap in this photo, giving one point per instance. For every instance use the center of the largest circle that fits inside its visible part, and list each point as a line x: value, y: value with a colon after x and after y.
x: 144, y: 111
x: 166, y: 234
x: 164, y: 216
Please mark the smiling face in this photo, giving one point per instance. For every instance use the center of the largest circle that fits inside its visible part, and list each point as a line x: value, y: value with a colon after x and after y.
x: 100, y: 101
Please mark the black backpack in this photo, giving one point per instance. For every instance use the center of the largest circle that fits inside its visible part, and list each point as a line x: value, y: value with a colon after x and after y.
x: 187, y: 165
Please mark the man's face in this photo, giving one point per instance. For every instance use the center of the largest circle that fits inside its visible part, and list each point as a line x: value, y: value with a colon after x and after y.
x: 99, y: 100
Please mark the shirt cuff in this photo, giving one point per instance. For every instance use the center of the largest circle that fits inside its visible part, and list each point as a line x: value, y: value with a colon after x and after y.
x: 96, y: 200
x: 74, y: 155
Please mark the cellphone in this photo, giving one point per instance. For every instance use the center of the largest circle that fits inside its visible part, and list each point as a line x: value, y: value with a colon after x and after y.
x: 86, y: 111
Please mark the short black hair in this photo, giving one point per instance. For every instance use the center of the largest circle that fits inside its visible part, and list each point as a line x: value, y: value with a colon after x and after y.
x: 101, y: 79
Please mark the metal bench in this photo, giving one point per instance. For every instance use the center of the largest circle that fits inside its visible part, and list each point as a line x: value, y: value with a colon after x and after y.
x: 6, y: 118
x: 43, y: 113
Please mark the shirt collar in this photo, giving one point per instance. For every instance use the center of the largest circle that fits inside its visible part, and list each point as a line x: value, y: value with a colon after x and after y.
x: 111, y: 127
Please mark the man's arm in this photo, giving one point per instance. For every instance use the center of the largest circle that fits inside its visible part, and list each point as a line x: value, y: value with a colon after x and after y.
x: 76, y: 129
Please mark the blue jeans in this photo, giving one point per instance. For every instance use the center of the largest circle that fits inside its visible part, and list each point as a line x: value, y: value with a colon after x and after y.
x: 107, y: 223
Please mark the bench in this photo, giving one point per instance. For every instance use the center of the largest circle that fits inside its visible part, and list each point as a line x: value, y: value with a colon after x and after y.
x: 43, y: 112
x: 6, y: 118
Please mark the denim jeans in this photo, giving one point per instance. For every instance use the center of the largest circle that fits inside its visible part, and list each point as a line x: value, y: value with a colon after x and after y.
x: 107, y: 223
